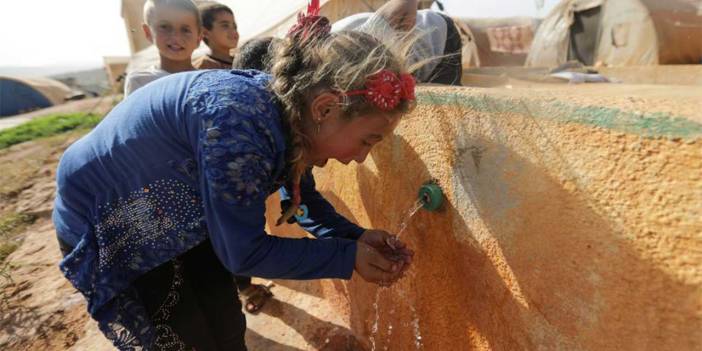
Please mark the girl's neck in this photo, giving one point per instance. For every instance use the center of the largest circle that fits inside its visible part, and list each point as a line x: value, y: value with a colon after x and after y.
x: 221, y: 54
x: 172, y: 66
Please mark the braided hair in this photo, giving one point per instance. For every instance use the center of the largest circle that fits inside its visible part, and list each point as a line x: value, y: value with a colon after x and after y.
x: 311, y: 59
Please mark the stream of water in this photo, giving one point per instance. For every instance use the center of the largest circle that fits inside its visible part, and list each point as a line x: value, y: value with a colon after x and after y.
x: 401, y: 292
x: 412, y: 211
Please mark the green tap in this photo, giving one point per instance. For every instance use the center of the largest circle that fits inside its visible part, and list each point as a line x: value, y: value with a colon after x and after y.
x: 431, y: 196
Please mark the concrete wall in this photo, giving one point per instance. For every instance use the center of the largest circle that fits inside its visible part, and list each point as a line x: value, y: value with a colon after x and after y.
x: 572, y: 221
x: 662, y: 74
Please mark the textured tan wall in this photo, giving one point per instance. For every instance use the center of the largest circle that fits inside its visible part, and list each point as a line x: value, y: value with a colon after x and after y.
x: 572, y: 221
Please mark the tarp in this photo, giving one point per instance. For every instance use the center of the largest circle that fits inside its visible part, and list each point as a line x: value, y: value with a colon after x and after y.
x: 626, y: 35
x: 19, y: 95
x: 469, y: 53
x: 679, y: 27
x: 132, y: 13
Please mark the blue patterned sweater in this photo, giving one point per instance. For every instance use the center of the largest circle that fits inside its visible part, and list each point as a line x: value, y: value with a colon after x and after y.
x: 189, y: 157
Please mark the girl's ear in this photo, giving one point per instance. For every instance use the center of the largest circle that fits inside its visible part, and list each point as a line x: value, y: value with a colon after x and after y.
x: 147, y: 32
x: 325, y: 106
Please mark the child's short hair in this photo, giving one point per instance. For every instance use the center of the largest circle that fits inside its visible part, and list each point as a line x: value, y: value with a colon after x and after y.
x: 208, y: 12
x: 187, y: 5
x: 256, y: 54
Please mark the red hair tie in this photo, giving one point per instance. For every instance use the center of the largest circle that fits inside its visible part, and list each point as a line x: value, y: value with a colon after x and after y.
x: 310, y: 24
x: 385, y: 89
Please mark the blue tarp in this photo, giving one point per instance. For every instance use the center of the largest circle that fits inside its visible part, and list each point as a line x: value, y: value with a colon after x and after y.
x: 18, y: 97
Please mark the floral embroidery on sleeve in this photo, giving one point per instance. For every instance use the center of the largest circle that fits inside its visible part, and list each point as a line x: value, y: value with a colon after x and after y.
x: 237, y: 145
x: 237, y: 169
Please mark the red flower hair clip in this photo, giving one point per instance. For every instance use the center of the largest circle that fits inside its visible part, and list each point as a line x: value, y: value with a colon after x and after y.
x: 310, y: 24
x: 386, y: 89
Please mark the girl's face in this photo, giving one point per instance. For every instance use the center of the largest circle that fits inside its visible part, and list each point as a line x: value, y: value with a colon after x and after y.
x: 347, y: 140
x: 224, y: 34
x: 174, y: 31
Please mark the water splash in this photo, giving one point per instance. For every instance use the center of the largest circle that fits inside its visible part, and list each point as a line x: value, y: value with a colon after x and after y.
x: 374, y: 328
x: 415, y: 328
x: 403, y: 296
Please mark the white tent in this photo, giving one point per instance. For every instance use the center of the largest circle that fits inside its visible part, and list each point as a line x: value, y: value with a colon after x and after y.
x: 624, y: 34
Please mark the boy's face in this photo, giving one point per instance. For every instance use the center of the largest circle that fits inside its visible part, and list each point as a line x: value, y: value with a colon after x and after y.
x: 174, y: 31
x: 224, y: 33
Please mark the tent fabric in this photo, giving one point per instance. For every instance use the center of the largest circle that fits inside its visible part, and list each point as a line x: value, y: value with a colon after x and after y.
x: 132, y: 13
x: 627, y: 41
x: 626, y: 34
x: 19, y: 95
x: 470, y: 55
x: 679, y: 27
x: 510, y: 39
x: 481, y: 29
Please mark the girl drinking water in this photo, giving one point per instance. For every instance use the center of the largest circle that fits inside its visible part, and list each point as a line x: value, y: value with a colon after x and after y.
x: 165, y: 198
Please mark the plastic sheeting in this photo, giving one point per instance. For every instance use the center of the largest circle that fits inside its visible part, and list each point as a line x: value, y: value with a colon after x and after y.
x: 679, y: 27
x: 19, y: 95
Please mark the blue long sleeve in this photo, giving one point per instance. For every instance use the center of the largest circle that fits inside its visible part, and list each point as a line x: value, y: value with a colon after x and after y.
x: 321, y: 219
x: 238, y: 158
x: 238, y: 237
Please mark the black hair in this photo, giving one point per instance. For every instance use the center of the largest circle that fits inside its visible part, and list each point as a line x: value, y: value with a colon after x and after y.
x: 208, y: 12
x: 256, y: 54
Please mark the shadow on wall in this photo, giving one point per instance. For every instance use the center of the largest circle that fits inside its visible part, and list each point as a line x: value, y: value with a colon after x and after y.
x: 548, y: 272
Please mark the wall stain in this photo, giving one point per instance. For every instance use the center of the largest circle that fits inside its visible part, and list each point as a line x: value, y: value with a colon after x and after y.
x: 656, y: 124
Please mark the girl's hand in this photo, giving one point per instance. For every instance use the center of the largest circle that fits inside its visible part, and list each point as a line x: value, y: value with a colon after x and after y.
x: 374, y: 267
x: 388, y: 245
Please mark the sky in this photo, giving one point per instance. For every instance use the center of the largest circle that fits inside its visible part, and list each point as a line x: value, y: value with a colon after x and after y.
x: 497, y: 8
x: 80, y: 32
x: 60, y: 32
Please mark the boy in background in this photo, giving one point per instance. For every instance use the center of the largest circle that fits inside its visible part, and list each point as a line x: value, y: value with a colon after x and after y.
x: 173, y: 26
x: 220, y: 34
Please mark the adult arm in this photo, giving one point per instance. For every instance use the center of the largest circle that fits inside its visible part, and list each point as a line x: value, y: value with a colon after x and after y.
x: 400, y: 14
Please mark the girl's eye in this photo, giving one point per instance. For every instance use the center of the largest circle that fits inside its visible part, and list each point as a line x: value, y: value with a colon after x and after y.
x: 365, y: 143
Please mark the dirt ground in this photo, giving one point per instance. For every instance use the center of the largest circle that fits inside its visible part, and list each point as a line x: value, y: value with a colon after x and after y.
x: 40, y: 310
